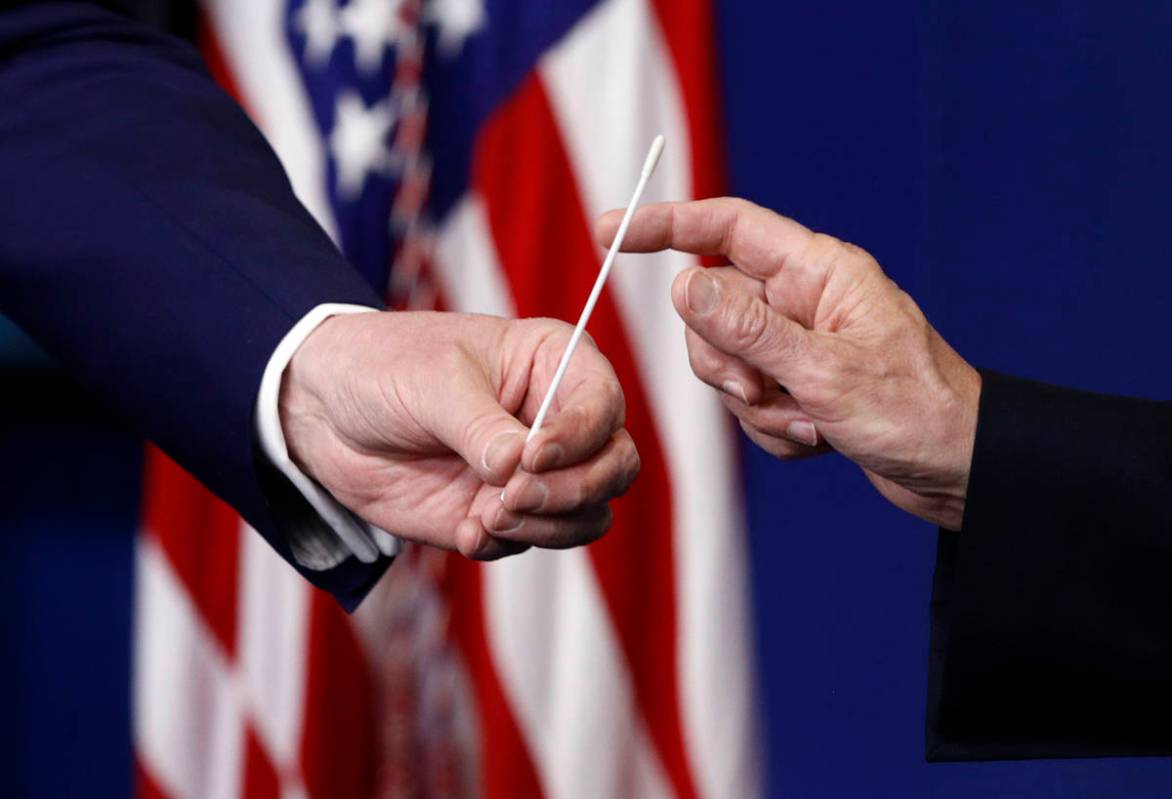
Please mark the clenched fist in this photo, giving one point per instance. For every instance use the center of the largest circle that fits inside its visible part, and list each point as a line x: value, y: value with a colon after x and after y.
x: 417, y: 423
x: 814, y: 348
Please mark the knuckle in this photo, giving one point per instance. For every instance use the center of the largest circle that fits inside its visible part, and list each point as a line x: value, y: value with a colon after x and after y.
x: 696, y: 362
x: 704, y: 366
x: 633, y: 464
x: 852, y: 249
x: 473, y: 546
x: 750, y: 327
x: 451, y: 360
x: 616, y: 400
x: 552, y: 331
x: 526, y: 489
x: 825, y: 379
x: 838, y: 254
x: 910, y: 310
x: 736, y: 208
x: 612, y: 479
x: 740, y: 206
x: 598, y: 527
x: 477, y: 430
x: 829, y: 251
x: 827, y: 244
x: 571, y: 420
x: 586, y: 490
x: 820, y: 394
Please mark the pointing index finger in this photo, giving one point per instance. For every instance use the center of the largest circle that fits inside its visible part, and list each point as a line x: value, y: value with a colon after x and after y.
x: 756, y: 239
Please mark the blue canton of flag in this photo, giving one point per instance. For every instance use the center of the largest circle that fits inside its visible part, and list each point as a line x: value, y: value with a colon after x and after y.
x: 362, y: 65
x: 399, y: 90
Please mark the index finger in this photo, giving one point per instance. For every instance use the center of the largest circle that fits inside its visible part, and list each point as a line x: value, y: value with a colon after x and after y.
x: 756, y: 239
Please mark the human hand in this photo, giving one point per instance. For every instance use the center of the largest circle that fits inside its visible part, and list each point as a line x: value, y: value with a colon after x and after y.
x: 814, y: 348
x: 414, y: 421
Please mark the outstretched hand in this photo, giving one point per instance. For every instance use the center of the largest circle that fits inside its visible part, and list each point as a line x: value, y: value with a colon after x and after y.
x: 814, y: 348
x: 417, y: 422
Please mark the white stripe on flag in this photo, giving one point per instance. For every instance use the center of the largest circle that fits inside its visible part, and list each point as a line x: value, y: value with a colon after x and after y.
x: 188, y: 720
x: 466, y: 264
x: 559, y: 663
x: 271, y: 646
x: 618, y: 53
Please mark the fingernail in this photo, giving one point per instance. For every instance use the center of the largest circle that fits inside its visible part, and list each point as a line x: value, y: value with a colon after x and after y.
x: 497, y: 450
x: 735, y: 389
x: 548, y: 457
x: 532, y: 497
x: 701, y: 293
x: 803, y: 433
x: 505, y: 522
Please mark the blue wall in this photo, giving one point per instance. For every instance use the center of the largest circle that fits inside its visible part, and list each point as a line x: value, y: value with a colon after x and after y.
x: 69, y: 489
x: 1007, y: 162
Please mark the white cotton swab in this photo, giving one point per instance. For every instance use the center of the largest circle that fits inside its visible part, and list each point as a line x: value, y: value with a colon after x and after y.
x: 648, y: 167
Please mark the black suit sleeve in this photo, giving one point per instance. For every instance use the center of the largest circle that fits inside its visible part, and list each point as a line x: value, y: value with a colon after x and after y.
x: 151, y: 242
x: 1052, y: 608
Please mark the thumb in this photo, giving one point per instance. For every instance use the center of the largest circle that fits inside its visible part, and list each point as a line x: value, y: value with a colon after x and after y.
x: 741, y: 323
x: 469, y: 420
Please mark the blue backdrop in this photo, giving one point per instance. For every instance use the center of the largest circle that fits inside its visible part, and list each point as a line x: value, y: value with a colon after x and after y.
x: 1008, y: 164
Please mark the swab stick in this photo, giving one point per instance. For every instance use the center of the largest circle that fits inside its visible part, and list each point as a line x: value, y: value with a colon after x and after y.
x: 648, y: 167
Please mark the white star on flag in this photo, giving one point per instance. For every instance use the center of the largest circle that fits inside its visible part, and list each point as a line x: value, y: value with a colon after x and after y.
x: 358, y: 141
x: 374, y: 26
x: 457, y: 20
x: 318, y: 20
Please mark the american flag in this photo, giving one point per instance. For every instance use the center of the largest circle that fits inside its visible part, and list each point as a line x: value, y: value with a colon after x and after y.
x: 457, y: 151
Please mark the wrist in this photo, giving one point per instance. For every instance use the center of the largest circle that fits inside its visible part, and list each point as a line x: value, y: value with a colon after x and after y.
x: 333, y: 534
x: 959, y: 411
x: 306, y: 385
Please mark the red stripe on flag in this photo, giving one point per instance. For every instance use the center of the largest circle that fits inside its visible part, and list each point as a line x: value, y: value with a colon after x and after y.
x: 340, y: 735
x: 543, y: 237
x: 145, y: 786
x: 507, y: 770
x: 260, y: 775
x: 200, y: 536
x: 688, y: 26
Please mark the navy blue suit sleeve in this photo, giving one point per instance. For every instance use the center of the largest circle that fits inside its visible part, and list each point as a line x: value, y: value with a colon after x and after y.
x: 152, y: 243
x: 1050, y: 634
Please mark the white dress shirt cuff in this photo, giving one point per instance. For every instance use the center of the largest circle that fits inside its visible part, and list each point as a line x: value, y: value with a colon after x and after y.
x: 335, y: 534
